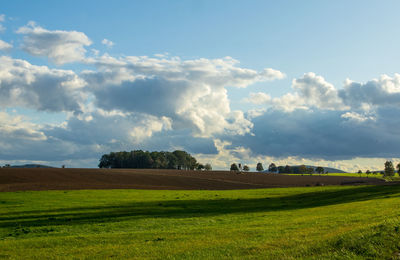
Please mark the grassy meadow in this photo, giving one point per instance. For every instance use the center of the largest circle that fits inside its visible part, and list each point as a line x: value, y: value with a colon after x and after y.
x: 331, y: 222
x: 362, y: 175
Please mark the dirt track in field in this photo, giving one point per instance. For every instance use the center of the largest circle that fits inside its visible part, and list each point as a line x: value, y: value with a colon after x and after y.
x: 12, y: 179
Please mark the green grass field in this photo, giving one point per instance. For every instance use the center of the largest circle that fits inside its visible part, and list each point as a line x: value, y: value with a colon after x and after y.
x: 282, y: 223
x: 378, y: 175
x: 363, y: 175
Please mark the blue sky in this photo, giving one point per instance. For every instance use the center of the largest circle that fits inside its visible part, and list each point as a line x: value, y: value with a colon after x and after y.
x: 331, y: 81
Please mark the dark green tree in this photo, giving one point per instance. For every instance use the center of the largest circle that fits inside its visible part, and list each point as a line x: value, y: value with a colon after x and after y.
x: 234, y: 167
x: 319, y: 170
x: 368, y: 172
x: 287, y: 169
x: 246, y: 168
x: 398, y: 169
x: 272, y: 168
x: 105, y: 161
x: 281, y: 169
x: 146, y: 160
x: 389, y: 169
x: 259, y: 167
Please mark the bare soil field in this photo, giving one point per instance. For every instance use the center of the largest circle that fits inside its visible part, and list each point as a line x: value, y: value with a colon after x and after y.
x: 74, y: 179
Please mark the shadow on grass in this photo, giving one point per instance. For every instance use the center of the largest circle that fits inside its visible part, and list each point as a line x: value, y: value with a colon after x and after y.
x: 194, y: 208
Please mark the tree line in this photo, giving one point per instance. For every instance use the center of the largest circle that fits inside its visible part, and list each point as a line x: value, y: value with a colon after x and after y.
x: 139, y: 159
x: 302, y: 169
x: 389, y: 170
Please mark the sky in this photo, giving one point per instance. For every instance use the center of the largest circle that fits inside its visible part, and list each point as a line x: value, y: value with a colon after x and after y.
x: 289, y: 82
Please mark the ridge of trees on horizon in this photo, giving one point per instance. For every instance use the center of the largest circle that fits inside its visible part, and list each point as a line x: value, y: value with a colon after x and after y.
x: 389, y: 170
x: 139, y: 159
x: 301, y: 169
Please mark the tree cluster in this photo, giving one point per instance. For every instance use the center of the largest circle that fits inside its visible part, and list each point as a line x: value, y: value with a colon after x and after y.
x: 302, y: 169
x: 235, y: 167
x: 151, y: 160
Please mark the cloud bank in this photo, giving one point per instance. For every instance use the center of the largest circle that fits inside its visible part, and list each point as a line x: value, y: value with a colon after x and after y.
x: 59, y: 46
x: 165, y: 102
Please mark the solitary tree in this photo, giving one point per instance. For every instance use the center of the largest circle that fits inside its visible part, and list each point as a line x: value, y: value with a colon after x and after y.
x: 246, y: 168
x: 319, y: 169
x: 368, y: 172
x: 359, y: 172
x: 389, y: 169
x: 272, y: 167
x: 234, y: 167
x: 398, y: 169
x: 259, y: 167
x: 207, y: 167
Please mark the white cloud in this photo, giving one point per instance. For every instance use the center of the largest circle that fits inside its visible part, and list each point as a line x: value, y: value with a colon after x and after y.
x: 191, y: 92
x: 17, y: 127
x: 226, y: 155
x: 310, y: 91
x: 110, y: 128
x: 316, y: 92
x: 148, y: 126
x: 38, y: 87
x: 4, y: 46
x: 107, y: 43
x: 163, y: 101
x: 377, y: 92
x: 357, y: 117
x: 59, y: 46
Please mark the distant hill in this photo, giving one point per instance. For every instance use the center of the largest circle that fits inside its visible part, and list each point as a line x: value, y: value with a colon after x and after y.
x: 31, y: 166
x: 326, y: 169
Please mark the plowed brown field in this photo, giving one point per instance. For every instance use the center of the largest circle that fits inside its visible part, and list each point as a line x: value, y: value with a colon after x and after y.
x: 13, y: 179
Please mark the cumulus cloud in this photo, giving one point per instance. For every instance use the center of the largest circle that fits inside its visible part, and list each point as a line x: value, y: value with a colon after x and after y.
x: 311, y: 91
x: 107, y: 43
x: 377, y: 92
x: 59, y: 46
x: 109, y: 128
x: 225, y: 155
x: 193, y: 93
x: 164, y: 103
x: 38, y: 87
x: 318, y: 134
x: 16, y: 127
x: 4, y: 46
x: 21, y: 140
